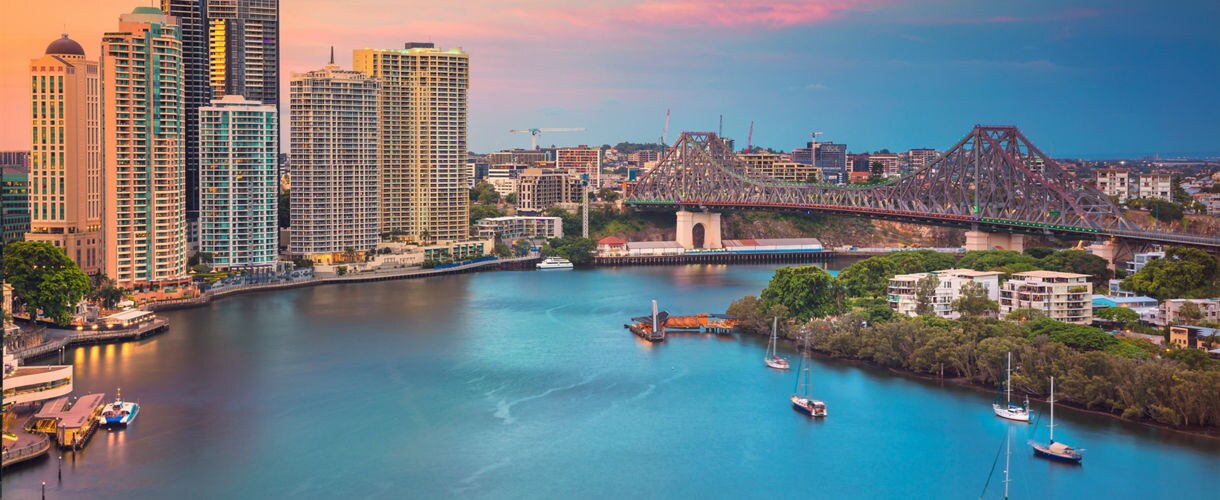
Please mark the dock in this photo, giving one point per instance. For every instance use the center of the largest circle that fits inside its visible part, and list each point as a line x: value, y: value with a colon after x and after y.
x: 652, y: 328
x: 70, y: 421
x: 70, y: 338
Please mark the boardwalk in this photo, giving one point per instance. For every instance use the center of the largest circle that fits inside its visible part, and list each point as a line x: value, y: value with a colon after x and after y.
x: 62, y: 339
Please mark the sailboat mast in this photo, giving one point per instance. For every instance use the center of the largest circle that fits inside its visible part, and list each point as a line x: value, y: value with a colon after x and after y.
x: 1008, y: 385
x: 1007, y: 460
x: 774, y: 328
x: 1052, y: 402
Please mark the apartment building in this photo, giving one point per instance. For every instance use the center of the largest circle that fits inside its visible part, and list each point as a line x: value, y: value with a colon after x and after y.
x: 1115, y: 182
x: 542, y: 188
x: 781, y: 168
x: 515, y: 227
x: 1062, y: 296
x: 1156, y: 186
x: 902, y: 291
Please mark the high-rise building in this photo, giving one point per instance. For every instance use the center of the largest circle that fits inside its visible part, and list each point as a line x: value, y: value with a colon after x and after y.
x: 581, y: 161
x: 423, y: 139
x: 780, y: 168
x: 1156, y: 185
x: 66, y: 153
x: 144, y: 174
x: 889, y: 163
x: 334, y: 198
x: 541, y: 188
x: 244, y: 48
x: 197, y: 92
x: 832, y: 159
x: 237, y: 183
x: 14, y: 202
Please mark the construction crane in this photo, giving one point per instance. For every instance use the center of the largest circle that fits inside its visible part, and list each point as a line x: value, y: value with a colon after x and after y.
x: 665, y: 131
x: 750, y: 139
x: 813, y: 147
x: 535, y: 132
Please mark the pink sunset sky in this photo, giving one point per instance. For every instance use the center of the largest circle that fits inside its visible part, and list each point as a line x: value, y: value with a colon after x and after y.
x: 869, y: 73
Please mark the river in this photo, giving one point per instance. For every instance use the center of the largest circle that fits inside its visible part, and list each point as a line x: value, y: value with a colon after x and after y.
x: 525, y: 385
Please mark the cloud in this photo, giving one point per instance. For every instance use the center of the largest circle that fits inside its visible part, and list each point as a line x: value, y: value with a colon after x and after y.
x: 1065, y: 15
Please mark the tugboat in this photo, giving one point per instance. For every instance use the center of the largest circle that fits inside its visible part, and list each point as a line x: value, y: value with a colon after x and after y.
x: 119, y: 413
x: 803, y: 400
x: 1053, y: 450
x: 1009, y: 410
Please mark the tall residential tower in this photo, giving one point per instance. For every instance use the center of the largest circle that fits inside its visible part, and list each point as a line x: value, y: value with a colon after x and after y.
x: 237, y: 183
x: 244, y: 48
x: 144, y: 155
x: 197, y: 92
x: 334, y: 197
x: 66, y: 153
x: 423, y: 139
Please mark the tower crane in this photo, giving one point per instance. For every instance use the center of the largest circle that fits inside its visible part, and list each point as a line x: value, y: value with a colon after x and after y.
x: 535, y: 132
x: 750, y: 139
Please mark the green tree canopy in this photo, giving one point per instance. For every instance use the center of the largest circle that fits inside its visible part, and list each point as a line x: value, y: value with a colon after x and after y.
x: 973, y: 301
x: 484, y: 193
x: 574, y: 248
x: 1183, y: 273
x: 44, y: 278
x: 1079, y: 261
x: 807, y: 292
x: 869, y: 277
x: 1118, y: 315
x: 925, y: 295
x: 987, y: 260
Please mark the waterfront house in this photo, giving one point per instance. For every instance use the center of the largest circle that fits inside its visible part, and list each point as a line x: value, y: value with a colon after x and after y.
x: 611, y: 246
x: 1171, y: 311
x: 1194, y: 337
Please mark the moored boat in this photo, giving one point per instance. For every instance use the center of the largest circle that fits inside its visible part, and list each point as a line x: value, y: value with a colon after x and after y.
x: 1008, y: 410
x: 772, y: 359
x: 1053, y: 450
x: 119, y: 413
x: 555, y: 263
x: 802, y: 400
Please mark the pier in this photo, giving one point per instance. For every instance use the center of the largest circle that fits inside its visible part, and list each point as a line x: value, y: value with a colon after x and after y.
x: 71, y: 422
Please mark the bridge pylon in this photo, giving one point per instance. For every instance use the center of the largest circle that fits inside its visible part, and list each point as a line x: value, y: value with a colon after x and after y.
x: 708, y: 222
x: 982, y: 240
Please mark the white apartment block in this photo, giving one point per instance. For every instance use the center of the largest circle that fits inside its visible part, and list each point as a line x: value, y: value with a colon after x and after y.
x: 889, y: 164
x: 423, y: 139
x: 902, y: 292
x: 919, y: 158
x: 1156, y: 186
x: 1115, y: 182
x: 238, y: 221
x: 1066, y: 297
x: 334, y: 198
x: 542, y: 188
x: 781, y: 168
x: 145, y: 158
x: 515, y: 227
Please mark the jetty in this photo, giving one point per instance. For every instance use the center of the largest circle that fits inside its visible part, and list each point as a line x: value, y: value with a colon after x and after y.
x: 652, y: 328
x: 130, y: 325
x: 70, y: 421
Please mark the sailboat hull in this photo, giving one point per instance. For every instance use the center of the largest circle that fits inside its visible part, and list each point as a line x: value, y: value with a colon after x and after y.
x: 809, y: 407
x: 777, y: 363
x: 1014, y: 413
x: 1069, y: 457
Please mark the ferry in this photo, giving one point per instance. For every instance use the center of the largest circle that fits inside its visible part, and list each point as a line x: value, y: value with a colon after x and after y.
x: 555, y: 263
x: 119, y: 413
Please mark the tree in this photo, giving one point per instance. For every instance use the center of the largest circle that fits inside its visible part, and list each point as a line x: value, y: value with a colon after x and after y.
x: 925, y: 295
x: 1079, y: 261
x: 574, y: 248
x: 974, y: 302
x: 484, y: 193
x: 807, y: 292
x: 1164, y: 211
x: 511, y: 199
x: 753, y: 317
x: 987, y: 260
x: 1026, y: 314
x: 1189, y: 313
x: 502, y: 250
x: 876, y: 170
x: 478, y: 211
x: 1121, y: 316
x: 869, y: 277
x: 608, y: 195
x: 44, y: 278
x: 1183, y: 273
x: 1039, y: 252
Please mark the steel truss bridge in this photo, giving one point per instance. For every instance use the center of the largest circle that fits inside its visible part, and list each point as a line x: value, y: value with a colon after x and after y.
x: 992, y: 180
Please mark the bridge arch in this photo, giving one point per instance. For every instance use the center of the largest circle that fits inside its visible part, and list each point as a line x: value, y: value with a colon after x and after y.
x: 706, y: 223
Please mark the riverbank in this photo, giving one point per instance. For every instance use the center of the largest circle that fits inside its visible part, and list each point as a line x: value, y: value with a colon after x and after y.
x: 967, y: 382
x: 208, y: 297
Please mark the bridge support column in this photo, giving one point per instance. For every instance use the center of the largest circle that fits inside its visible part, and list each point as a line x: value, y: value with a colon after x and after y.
x: 981, y: 240
x: 1106, y: 250
x: 711, y: 229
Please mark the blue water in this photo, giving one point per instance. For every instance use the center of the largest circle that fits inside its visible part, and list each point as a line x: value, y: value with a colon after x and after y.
x: 525, y: 385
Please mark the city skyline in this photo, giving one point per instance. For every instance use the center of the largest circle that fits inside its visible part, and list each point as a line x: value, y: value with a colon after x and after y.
x: 1091, y: 79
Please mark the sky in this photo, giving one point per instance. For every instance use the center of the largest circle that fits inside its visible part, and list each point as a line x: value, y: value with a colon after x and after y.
x: 1093, y: 79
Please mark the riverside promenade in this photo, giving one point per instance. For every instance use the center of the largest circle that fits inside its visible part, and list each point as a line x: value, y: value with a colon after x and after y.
x: 57, y: 339
x: 210, y: 295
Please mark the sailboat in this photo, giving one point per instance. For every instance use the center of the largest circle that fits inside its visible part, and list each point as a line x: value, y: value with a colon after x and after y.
x: 773, y: 360
x: 1053, y: 450
x: 803, y: 400
x: 1009, y: 410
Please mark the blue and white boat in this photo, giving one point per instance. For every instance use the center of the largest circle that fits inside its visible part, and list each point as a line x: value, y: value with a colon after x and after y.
x: 119, y: 413
x: 555, y: 263
x: 1009, y: 410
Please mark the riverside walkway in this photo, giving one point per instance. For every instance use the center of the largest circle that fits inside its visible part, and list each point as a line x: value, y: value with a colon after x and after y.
x: 214, y: 294
x: 62, y: 339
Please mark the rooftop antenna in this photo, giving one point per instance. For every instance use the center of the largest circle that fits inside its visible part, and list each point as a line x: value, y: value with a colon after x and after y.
x: 721, y: 131
x: 332, y: 54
